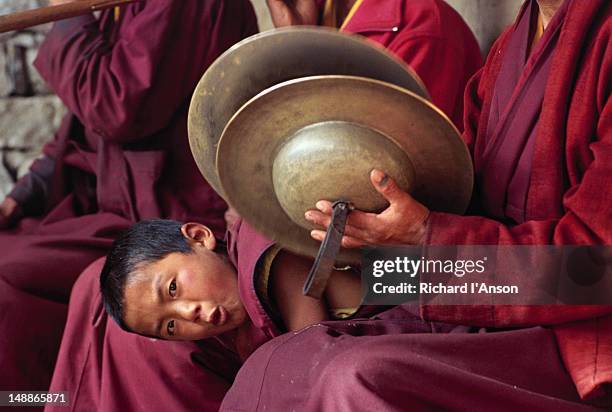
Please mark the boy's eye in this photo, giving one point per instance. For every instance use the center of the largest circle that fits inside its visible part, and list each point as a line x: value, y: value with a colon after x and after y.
x: 170, y: 328
x: 172, y: 288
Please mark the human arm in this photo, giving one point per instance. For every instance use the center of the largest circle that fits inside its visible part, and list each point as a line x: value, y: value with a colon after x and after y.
x: 287, y: 277
x: 583, y: 218
x: 29, y: 196
x: 130, y: 87
x: 406, y: 222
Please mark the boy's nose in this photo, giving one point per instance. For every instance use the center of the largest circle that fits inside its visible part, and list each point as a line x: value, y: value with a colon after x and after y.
x: 190, y: 311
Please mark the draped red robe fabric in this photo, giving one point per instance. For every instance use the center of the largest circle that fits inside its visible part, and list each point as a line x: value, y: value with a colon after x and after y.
x: 567, y: 199
x: 121, y: 155
x: 393, y: 360
x: 431, y: 37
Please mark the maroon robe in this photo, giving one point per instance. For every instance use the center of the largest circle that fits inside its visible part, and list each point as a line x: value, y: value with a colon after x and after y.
x: 398, y: 362
x: 431, y: 37
x: 566, y: 200
x: 121, y: 155
x: 393, y: 360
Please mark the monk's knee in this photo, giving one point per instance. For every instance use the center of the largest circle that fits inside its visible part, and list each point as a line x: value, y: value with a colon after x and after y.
x: 365, y: 373
x: 350, y: 369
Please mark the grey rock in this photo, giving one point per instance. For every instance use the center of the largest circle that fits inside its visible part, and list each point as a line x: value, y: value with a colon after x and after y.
x: 39, y: 86
x: 26, y: 123
x: 17, y: 53
x: 5, y: 81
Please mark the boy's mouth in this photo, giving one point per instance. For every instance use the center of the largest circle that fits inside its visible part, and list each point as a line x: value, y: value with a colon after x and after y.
x: 218, y: 316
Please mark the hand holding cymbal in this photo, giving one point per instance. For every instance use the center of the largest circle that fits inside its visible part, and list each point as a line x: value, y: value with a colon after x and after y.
x: 402, y: 223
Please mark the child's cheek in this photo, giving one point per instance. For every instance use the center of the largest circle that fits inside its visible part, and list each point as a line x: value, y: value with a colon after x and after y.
x: 189, y: 280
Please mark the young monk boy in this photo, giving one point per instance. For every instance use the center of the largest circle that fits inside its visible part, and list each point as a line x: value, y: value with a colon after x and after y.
x: 174, y: 281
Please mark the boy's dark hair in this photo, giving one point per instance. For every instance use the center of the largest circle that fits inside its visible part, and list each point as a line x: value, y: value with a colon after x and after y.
x: 145, y: 242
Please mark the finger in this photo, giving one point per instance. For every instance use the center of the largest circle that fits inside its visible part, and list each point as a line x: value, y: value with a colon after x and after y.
x: 318, y: 235
x: 359, y: 234
x: 276, y: 3
x: 347, y: 241
x: 352, y: 243
x: 281, y: 12
x: 363, y: 220
x: 348, y: 231
x: 364, y: 232
x: 386, y: 186
x: 317, y: 218
x: 357, y: 219
x: 325, y: 206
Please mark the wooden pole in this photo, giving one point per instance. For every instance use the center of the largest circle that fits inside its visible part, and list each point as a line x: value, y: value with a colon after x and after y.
x: 34, y: 17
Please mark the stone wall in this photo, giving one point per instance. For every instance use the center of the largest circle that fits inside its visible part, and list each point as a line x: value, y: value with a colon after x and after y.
x: 29, y: 113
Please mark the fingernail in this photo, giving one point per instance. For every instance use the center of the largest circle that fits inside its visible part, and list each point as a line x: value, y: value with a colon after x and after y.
x: 320, y: 205
x: 380, y: 177
x: 308, y: 215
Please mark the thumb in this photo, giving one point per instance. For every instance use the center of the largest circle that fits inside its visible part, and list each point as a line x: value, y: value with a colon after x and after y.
x: 386, y: 186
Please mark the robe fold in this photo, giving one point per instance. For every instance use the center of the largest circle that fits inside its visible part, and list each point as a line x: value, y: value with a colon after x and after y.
x: 121, y: 155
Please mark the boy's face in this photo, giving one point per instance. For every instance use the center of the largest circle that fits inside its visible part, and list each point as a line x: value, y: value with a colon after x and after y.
x: 185, y: 296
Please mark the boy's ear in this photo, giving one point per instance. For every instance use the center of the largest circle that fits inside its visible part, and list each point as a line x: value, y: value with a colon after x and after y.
x: 199, y: 234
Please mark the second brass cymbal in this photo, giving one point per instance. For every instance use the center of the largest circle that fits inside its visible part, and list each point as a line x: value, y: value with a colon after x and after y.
x: 319, y: 137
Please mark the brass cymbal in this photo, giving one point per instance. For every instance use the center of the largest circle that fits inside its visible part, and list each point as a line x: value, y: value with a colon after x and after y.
x: 319, y: 137
x: 272, y: 57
